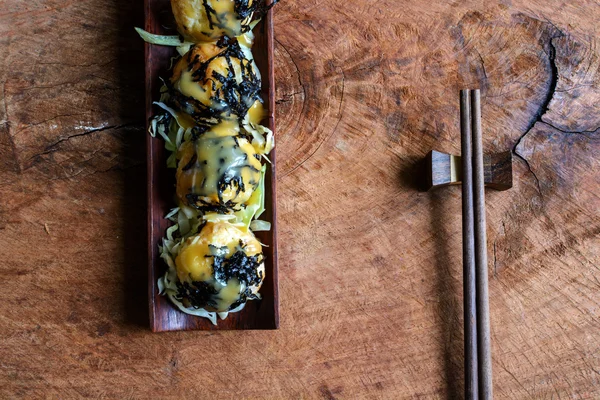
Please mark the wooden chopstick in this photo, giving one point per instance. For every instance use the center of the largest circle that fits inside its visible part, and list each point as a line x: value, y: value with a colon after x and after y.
x: 481, y: 264
x: 470, y: 314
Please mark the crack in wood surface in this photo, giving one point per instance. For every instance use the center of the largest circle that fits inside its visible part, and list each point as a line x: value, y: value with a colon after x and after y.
x: 30, y: 125
x: 95, y: 130
x: 295, y: 65
x: 9, y: 137
x: 554, y: 76
x: 482, y: 64
x: 585, y: 133
x: 287, y: 97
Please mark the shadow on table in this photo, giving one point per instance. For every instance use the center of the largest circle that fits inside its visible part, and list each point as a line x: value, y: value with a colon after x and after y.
x: 413, y: 176
x: 130, y: 56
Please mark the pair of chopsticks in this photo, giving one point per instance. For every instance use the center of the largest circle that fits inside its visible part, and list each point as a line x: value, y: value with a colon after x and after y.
x: 478, y: 360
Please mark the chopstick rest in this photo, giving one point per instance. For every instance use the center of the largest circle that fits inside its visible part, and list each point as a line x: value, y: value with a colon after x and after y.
x: 445, y: 169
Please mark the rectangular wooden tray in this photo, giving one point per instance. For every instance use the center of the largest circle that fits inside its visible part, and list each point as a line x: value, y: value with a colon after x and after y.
x: 258, y: 314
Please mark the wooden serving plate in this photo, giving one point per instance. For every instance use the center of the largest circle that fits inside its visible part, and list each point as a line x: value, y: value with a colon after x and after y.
x: 258, y: 314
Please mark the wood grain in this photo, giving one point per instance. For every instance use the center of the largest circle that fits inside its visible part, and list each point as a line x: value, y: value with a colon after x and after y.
x: 263, y: 314
x: 370, y: 268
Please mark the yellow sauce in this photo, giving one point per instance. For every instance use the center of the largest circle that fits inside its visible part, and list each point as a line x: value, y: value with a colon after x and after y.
x: 208, y: 90
x: 190, y: 88
x: 246, y: 40
x: 219, y: 155
x: 256, y: 113
x: 185, y: 120
x: 229, y: 294
x: 194, y: 262
x: 198, y: 88
x: 193, y: 19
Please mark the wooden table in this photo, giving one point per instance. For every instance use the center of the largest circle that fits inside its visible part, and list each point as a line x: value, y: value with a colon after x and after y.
x: 370, y: 268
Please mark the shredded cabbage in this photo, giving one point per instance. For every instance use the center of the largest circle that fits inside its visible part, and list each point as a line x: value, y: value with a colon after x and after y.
x: 171, y: 213
x: 189, y: 211
x: 171, y: 230
x: 183, y: 222
x: 165, y: 40
x: 179, y: 137
x: 239, y: 308
x: 161, y: 286
x: 214, y: 217
x: 199, y: 312
x: 153, y: 127
x: 173, y: 113
x: 157, y: 125
x: 183, y: 49
x: 263, y: 140
x: 260, y: 225
x: 261, y: 187
x: 174, y: 134
x: 255, y: 204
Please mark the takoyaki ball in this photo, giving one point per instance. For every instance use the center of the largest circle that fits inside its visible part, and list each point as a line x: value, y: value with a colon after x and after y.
x: 213, y: 83
x: 209, y: 20
x: 219, y: 268
x: 218, y: 171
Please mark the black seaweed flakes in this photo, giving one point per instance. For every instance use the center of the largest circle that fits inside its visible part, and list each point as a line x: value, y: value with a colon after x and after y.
x: 199, y: 294
x: 209, y: 13
x: 244, y: 9
x: 229, y: 180
x: 198, y: 202
x: 231, y: 97
x: 240, y: 266
x: 190, y: 163
x: 199, y: 130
